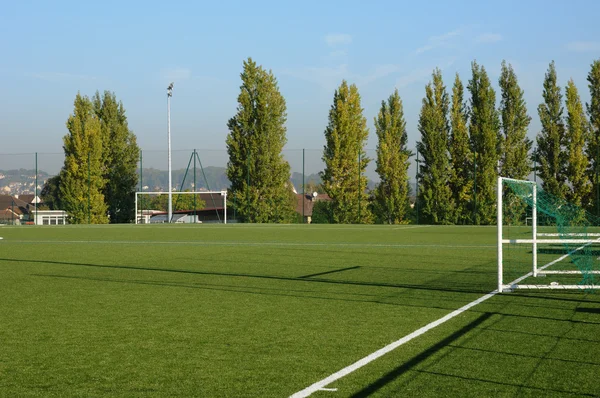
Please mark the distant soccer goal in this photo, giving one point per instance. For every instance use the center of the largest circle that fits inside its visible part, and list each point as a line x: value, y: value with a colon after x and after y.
x: 544, y: 242
x: 188, y: 207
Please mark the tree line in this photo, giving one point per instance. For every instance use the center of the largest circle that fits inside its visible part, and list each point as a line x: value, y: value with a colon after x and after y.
x: 466, y: 141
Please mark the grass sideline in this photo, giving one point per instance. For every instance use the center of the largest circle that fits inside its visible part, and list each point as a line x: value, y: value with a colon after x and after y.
x: 266, y: 310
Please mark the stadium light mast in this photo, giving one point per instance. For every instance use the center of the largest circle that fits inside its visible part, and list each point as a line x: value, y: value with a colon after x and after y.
x: 169, y: 95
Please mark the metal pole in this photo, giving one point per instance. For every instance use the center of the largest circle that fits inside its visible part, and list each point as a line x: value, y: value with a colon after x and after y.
x: 534, y: 166
x: 417, y: 188
x: 303, y: 188
x: 597, y: 185
x: 475, y: 188
x: 359, y: 188
x: 170, y: 194
x: 89, y: 189
x: 36, y: 191
x: 141, y: 187
x: 248, y: 188
x: 195, y: 215
x: 534, y: 232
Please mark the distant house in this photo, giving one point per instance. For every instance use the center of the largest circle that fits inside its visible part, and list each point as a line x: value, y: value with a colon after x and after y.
x: 21, y: 209
x: 306, y: 203
x: 13, y: 210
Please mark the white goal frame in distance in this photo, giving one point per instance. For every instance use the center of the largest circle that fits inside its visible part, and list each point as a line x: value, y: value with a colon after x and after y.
x: 538, y: 271
x: 220, y: 193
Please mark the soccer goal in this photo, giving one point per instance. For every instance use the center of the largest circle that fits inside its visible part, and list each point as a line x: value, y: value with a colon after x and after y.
x: 187, y: 207
x: 536, y: 228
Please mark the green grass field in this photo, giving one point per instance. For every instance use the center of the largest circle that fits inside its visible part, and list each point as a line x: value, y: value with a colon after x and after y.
x: 268, y: 310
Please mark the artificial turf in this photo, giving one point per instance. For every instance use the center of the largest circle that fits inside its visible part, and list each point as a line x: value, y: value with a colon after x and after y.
x: 267, y: 310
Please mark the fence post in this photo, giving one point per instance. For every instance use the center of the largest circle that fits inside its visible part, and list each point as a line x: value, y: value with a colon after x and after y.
x: 417, y: 187
x: 89, y: 188
x: 303, y: 188
x: 141, y: 186
x: 359, y: 188
x: 36, y: 190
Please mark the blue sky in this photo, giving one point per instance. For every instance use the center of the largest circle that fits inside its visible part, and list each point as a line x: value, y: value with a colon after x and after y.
x: 52, y: 50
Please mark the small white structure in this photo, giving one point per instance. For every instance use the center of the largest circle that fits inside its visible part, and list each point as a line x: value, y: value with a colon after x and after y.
x: 50, y: 217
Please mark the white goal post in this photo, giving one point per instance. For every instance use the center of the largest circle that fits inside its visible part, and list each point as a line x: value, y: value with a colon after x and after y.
x: 214, y: 201
x: 581, y: 240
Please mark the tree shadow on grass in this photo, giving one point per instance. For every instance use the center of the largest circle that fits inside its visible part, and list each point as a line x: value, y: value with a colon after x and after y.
x: 452, y: 288
x: 589, y: 310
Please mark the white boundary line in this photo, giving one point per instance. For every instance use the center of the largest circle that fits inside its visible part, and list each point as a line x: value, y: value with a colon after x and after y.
x: 320, y: 385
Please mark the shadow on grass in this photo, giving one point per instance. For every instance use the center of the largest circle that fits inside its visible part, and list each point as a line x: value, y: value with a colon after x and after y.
x: 409, y: 365
x: 448, y: 342
x: 589, y: 310
x: 452, y: 288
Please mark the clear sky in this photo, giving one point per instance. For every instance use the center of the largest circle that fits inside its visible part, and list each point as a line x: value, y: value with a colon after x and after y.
x: 52, y: 50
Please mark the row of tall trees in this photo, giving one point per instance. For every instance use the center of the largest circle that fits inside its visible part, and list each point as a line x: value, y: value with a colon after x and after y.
x: 460, y: 164
x: 97, y: 182
x: 260, y: 187
x: 463, y: 147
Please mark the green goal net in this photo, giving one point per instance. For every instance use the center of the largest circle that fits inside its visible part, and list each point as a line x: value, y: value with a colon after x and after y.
x: 543, y: 236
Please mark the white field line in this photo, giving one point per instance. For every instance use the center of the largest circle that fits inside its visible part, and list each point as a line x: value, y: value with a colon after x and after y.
x: 390, y: 347
x: 260, y: 244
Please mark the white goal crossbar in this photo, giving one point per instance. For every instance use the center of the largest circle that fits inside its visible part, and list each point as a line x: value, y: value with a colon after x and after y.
x: 570, y: 238
x: 221, y: 194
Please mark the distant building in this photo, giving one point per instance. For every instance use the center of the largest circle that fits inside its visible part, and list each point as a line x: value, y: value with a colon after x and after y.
x: 306, y: 203
x: 21, y: 209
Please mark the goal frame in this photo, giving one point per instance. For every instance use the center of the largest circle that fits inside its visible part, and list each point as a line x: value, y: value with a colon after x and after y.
x: 538, y: 271
x: 220, y: 193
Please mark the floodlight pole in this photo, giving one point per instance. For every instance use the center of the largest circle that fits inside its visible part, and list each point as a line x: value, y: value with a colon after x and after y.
x: 169, y: 95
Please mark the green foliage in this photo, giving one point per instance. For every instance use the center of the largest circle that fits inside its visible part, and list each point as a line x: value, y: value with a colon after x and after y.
x: 484, y: 130
x: 461, y: 179
x: 577, y: 134
x: 120, y: 156
x: 345, y: 158
x: 258, y: 172
x: 82, y: 176
x: 515, y: 161
x: 180, y: 202
x: 551, y: 141
x: 391, y: 194
x: 322, y: 212
x: 593, y: 148
x: 50, y: 193
x: 435, y: 197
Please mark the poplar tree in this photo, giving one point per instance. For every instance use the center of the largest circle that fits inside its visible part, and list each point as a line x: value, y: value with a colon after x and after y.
x: 551, y: 141
x: 461, y: 157
x: 515, y: 161
x: 435, y: 196
x: 577, y: 133
x: 593, y: 148
x: 345, y: 158
x: 259, y: 175
x: 391, y: 194
x: 484, y: 130
x: 81, y: 178
x: 120, y: 155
